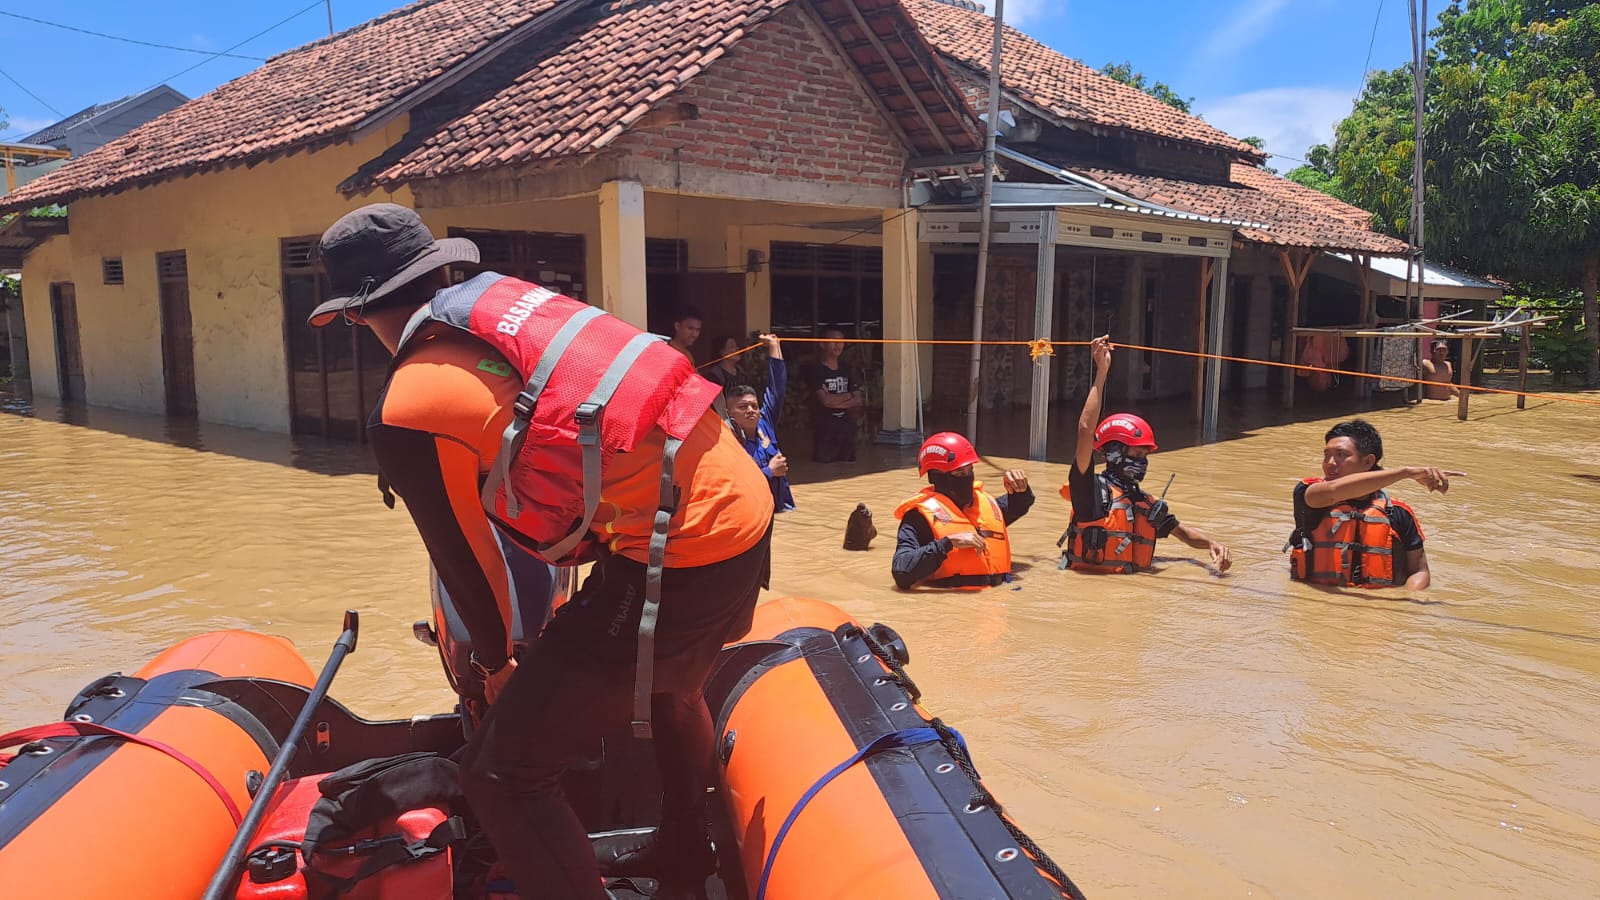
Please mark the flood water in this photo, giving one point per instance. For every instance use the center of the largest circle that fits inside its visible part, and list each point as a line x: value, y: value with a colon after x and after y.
x: 1173, y: 734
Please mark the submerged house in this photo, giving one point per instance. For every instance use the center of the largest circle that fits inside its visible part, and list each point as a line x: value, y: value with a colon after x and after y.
x: 782, y: 164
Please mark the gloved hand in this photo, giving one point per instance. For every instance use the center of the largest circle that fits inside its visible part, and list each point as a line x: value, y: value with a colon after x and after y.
x: 1161, y: 518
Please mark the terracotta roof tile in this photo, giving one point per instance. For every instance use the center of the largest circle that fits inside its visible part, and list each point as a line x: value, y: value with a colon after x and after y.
x: 1295, y: 216
x: 299, y: 98
x: 1058, y: 85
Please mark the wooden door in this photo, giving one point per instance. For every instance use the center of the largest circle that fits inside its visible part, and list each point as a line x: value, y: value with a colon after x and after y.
x: 719, y: 296
x: 177, y: 333
x: 69, y: 350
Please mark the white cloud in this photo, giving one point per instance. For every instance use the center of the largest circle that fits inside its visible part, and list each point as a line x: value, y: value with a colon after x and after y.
x: 1249, y: 23
x: 1021, y: 12
x: 1289, y: 119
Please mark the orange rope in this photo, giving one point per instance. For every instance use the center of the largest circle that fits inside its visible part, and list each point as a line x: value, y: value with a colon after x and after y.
x: 1041, y: 348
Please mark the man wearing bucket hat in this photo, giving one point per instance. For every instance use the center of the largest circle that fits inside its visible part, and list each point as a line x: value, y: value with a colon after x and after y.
x: 1439, y: 369
x: 583, y: 439
x: 1115, y: 524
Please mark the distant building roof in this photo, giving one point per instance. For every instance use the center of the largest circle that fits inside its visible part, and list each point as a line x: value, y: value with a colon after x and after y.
x: 57, y: 132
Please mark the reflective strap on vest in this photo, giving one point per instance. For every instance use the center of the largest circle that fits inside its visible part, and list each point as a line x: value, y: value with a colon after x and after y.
x: 591, y: 415
x: 645, y: 665
x: 527, y: 402
x: 419, y: 318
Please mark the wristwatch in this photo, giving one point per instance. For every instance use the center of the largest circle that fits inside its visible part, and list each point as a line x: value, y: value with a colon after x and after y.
x: 479, y: 668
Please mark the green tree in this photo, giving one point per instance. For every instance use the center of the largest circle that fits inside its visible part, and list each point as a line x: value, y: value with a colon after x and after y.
x: 1160, y: 90
x: 1512, y: 144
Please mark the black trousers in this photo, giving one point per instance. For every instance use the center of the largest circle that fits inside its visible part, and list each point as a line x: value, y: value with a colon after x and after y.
x: 575, y: 685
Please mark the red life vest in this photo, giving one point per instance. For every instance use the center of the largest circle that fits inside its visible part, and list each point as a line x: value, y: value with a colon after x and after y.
x: 1351, y: 546
x: 1123, y: 542
x: 964, y: 567
x: 595, y: 387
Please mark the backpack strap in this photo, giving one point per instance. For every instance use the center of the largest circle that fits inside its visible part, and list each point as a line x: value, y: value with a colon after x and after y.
x: 591, y: 415
x: 527, y: 402
x: 645, y: 665
x: 384, y: 852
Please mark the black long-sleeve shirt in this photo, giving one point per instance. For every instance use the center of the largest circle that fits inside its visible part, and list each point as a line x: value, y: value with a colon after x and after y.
x: 918, y: 555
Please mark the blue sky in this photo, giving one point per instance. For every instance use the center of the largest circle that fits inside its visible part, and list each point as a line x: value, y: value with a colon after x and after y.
x: 1285, y: 70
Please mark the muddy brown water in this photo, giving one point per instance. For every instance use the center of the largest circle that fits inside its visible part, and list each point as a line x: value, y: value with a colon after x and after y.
x: 1175, y: 734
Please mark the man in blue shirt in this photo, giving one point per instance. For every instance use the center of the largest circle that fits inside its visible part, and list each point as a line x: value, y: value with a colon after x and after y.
x: 756, y: 423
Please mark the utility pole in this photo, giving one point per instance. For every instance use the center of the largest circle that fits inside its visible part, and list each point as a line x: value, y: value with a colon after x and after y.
x: 1419, y: 70
x: 330, y: 17
x: 987, y: 217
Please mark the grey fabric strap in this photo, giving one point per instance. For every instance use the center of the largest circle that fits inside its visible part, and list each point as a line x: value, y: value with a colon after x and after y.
x: 645, y: 666
x: 591, y: 414
x: 417, y: 320
x: 516, y: 432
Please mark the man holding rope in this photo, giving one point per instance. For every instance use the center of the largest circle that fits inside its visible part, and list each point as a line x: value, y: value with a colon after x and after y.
x: 1348, y: 530
x: 1115, y: 524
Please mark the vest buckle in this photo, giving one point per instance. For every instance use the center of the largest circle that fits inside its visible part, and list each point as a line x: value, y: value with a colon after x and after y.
x: 525, y: 405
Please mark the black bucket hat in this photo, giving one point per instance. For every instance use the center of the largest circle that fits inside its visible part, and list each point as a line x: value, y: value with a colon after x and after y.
x: 374, y: 251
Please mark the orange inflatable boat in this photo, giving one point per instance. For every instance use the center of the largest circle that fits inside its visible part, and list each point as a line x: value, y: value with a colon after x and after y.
x: 833, y: 782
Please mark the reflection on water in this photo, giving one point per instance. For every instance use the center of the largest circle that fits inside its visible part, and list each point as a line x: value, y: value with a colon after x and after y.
x: 1178, y: 733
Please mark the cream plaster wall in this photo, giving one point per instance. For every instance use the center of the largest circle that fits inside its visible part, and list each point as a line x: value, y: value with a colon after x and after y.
x: 229, y: 223
x: 47, y: 263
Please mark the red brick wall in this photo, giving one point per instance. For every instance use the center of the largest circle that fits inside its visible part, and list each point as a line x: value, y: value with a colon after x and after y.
x: 781, y: 104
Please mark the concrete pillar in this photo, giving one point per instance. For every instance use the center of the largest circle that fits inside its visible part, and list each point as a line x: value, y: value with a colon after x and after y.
x: 622, y: 278
x: 901, y: 257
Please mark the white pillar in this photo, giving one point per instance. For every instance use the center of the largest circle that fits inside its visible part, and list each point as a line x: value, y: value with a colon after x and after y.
x: 1044, y: 305
x: 622, y: 252
x: 1219, y: 318
x: 900, y: 361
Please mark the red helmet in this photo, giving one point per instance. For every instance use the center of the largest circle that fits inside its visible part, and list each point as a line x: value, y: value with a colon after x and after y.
x: 1125, y: 428
x: 945, y: 452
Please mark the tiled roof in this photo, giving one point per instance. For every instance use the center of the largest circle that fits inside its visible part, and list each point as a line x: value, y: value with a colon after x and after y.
x: 572, y: 93
x: 301, y: 98
x: 578, y: 91
x: 1061, y: 87
x: 1296, y: 216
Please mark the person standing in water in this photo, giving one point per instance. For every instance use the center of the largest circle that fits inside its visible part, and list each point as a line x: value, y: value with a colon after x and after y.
x: 836, y: 402
x: 953, y: 533
x: 723, y: 371
x: 1348, y: 530
x: 1439, y: 369
x: 685, y: 331
x: 755, y: 421
x: 1115, y: 524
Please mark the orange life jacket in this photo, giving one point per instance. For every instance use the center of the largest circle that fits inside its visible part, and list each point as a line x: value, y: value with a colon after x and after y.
x: 965, y: 567
x: 1348, y: 538
x: 1123, y: 542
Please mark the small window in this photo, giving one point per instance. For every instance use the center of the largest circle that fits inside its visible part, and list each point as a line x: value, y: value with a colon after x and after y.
x: 111, y: 270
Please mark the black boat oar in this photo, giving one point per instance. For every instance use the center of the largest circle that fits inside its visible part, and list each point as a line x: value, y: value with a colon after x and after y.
x: 222, y: 884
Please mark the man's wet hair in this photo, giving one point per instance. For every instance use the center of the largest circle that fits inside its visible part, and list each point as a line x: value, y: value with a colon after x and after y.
x: 688, y: 312
x: 740, y: 390
x: 832, y: 333
x: 1361, y: 432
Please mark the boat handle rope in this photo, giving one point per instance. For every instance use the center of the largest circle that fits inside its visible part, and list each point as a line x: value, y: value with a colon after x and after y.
x: 957, y: 748
x: 91, y: 729
x: 894, y: 740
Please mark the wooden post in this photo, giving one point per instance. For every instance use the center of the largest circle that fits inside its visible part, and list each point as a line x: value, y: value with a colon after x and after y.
x: 1296, y: 265
x: 1369, y: 319
x: 1206, y: 263
x: 1522, y: 369
x: 1464, y: 378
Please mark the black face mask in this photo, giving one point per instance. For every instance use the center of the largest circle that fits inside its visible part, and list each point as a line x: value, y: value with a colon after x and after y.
x: 958, y: 489
x: 1125, y: 470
